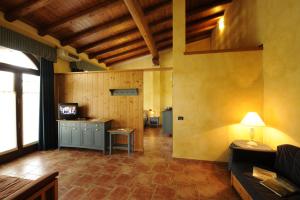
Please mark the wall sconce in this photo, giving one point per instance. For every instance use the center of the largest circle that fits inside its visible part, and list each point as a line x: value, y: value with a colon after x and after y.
x: 221, y: 24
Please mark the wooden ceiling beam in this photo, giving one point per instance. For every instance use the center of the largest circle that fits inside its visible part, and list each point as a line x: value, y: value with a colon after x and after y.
x: 196, y: 30
x: 159, y: 35
x: 206, y: 20
x: 114, y: 48
x: 115, y: 22
x: 193, y: 28
x: 95, y: 29
x: 70, y: 19
x: 129, y: 33
x: 160, y: 45
x: 123, y: 53
x: 209, y: 10
x: 207, y: 23
x: 137, y: 55
x: 130, y: 57
x: 140, y: 20
x: 25, y: 9
x: 167, y: 39
x: 134, y: 31
x: 201, y: 30
x: 198, y: 37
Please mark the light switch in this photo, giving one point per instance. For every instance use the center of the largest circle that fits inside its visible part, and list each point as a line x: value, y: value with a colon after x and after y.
x: 180, y: 117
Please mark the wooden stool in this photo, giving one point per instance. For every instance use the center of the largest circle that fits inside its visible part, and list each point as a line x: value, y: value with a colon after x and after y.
x: 129, y: 132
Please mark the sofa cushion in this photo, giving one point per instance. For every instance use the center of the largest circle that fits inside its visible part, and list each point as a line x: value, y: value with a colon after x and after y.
x: 243, y: 172
x: 287, y: 162
x: 296, y: 169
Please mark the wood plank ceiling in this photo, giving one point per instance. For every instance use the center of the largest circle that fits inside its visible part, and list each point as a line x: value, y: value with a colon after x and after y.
x: 113, y: 31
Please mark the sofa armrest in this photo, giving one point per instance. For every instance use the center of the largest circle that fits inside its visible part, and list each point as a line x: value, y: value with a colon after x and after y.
x: 258, y: 158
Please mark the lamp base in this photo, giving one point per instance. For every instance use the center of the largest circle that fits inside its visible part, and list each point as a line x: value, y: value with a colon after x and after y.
x: 252, y: 143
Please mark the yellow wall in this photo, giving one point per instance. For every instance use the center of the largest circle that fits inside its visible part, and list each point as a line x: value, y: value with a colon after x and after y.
x: 279, y: 32
x: 148, y: 90
x: 201, y: 45
x: 212, y: 92
x: 157, y: 90
x: 156, y: 93
x: 61, y: 66
x: 166, y: 86
x: 273, y: 23
x: 165, y: 60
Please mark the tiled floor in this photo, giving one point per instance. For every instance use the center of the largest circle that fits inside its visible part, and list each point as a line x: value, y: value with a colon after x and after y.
x: 153, y: 175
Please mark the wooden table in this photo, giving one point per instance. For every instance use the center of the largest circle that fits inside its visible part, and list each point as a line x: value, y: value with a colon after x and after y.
x: 242, y: 147
x: 129, y: 132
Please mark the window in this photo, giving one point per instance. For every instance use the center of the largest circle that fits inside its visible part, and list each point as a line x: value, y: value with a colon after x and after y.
x: 19, y: 100
x: 31, y: 102
x: 8, y: 128
x: 16, y: 58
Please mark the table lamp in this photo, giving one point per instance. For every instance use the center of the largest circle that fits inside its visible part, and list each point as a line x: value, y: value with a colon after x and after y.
x: 252, y: 119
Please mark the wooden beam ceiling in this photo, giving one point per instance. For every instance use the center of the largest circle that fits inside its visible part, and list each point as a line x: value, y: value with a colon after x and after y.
x: 161, y: 45
x: 69, y: 19
x: 126, y: 44
x: 25, y: 9
x: 111, y: 39
x: 138, y: 16
x: 204, y: 22
x: 115, y: 22
x: 138, y: 54
x: 135, y: 43
x: 195, y: 27
x: 201, y: 30
x: 129, y: 57
x: 198, y: 37
x: 131, y: 32
x: 120, y: 38
x: 167, y: 39
x: 123, y: 53
x: 208, y: 10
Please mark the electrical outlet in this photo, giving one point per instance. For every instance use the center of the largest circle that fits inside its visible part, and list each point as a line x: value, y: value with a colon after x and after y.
x: 180, y: 118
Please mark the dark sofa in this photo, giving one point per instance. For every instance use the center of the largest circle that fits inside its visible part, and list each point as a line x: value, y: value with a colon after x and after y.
x: 285, y: 162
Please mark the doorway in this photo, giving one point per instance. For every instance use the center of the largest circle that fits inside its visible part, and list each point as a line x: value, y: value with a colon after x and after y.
x: 158, y: 101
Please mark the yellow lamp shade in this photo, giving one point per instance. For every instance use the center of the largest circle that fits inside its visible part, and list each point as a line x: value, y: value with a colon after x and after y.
x: 252, y: 119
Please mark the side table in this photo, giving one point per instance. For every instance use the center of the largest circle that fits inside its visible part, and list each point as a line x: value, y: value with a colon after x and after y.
x: 241, y: 150
x: 154, y: 121
x: 129, y: 132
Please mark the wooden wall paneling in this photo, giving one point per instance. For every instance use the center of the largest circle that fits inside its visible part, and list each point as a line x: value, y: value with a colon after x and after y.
x: 86, y: 98
x: 91, y: 91
x: 99, y: 94
x: 140, y: 120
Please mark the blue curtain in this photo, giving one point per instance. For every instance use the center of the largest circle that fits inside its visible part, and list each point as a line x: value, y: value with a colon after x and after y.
x: 48, y: 131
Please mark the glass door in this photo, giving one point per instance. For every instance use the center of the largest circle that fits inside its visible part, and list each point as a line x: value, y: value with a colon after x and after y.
x: 31, y: 105
x: 8, y: 122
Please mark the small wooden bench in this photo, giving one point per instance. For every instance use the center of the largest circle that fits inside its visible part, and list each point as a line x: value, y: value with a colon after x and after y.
x: 15, y: 188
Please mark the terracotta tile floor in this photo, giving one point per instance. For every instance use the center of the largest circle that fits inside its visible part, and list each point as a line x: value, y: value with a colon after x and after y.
x: 152, y: 175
